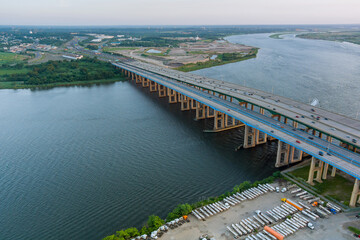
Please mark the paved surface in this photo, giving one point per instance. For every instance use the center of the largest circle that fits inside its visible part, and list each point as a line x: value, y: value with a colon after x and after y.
x: 330, y: 228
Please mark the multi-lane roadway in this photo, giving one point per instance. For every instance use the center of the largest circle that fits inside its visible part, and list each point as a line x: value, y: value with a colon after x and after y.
x: 335, y: 155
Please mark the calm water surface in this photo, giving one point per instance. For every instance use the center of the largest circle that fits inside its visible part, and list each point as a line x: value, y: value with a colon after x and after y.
x: 83, y: 162
x: 298, y: 68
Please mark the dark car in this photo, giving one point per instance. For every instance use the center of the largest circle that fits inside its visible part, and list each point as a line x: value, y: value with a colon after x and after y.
x: 321, y: 153
x: 354, y: 141
x: 311, y: 138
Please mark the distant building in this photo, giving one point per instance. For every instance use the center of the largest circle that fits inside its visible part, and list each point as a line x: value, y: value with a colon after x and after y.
x: 73, y: 56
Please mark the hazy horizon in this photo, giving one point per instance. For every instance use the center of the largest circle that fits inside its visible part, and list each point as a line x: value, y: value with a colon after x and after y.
x: 179, y: 12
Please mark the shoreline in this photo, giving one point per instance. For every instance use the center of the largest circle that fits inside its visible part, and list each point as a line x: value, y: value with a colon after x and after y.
x: 186, y: 209
x: 213, y: 63
x: 3, y: 85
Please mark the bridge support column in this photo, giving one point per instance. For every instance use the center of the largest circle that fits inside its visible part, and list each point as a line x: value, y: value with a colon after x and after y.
x: 200, y: 111
x: 318, y: 169
x: 138, y: 79
x: 261, y: 137
x: 162, y: 90
x: 185, y: 102
x: 153, y: 86
x: 210, y: 113
x: 145, y: 82
x: 282, y: 157
x: 193, y: 104
x: 333, y: 171
x: 172, y: 95
x: 249, y: 137
x: 219, y: 120
x: 354, y: 194
x: 325, y: 171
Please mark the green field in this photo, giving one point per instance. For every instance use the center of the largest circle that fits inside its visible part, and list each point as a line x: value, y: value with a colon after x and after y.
x: 11, y: 58
x: 338, y: 187
x: 5, y: 71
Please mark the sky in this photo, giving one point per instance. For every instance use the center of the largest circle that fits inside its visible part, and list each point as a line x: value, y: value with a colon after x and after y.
x: 178, y: 12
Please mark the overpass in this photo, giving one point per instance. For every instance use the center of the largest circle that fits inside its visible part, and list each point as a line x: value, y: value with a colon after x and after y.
x: 331, y: 139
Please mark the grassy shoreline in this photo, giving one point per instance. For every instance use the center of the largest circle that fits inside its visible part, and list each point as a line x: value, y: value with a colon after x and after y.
x: 276, y: 36
x: 212, y: 63
x: 338, y: 188
x: 20, y: 85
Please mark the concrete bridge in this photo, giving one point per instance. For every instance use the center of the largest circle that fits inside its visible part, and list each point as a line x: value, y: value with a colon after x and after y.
x: 300, y: 129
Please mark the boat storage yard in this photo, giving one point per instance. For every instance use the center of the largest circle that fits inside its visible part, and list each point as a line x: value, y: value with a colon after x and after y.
x: 267, y: 212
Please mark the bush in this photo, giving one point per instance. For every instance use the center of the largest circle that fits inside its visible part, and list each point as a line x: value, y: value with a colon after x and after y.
x: 354, y: 230
x: 154, y: 222
x: 179, y: 211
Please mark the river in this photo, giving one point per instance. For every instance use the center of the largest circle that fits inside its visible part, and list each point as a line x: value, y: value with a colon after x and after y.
x: 83, y: 162
x: 300, y: 69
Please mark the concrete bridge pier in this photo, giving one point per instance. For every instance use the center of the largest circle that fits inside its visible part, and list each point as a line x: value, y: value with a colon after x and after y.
x: 315, y: 169
x: 253, y: 137
x: 153, y: 86
x: 200, y: 111
x: 185, y: 102
x: 287, y: 154
x: 138, y: 79
x: 172, y: 95
x: 261, y: 137
x: 162, y: 90
x: 145, y: 82
x: 249, y: 137
x: 219, y: 120
x: 193, y: 105
x: 210, y: 112
x: 222, y: 121
x: 355, y: 194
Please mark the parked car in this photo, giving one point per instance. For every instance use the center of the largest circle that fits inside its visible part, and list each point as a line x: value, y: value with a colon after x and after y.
x: 311, y: 226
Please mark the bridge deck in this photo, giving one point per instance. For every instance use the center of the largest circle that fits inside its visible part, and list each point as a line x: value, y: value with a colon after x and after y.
x: 338, y: 126
x: 341, y: 158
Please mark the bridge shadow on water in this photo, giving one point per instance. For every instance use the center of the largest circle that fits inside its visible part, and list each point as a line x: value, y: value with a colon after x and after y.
x: 257, y: 162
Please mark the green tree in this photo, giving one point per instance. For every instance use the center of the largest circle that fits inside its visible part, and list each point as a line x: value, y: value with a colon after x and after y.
x: 154, y: 222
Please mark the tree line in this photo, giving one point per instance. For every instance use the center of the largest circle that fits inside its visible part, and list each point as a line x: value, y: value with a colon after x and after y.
x: 85, y: 69
x: 154, y: 222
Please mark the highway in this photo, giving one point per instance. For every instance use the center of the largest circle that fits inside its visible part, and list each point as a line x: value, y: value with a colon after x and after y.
x: 339, y: 157
x: 335, y: 125
x: 340, y: 127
